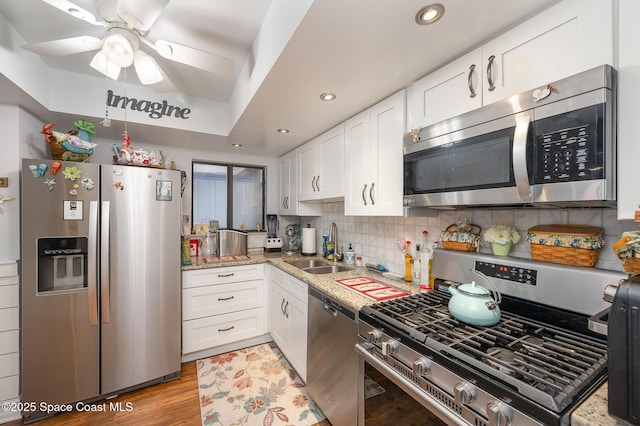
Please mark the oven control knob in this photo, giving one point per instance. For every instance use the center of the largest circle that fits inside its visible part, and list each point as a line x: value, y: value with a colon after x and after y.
x: 374, y: 336
x: 464, y: 393
x: 422, y: 366
x: 390, y: 347
x: 499, y: 414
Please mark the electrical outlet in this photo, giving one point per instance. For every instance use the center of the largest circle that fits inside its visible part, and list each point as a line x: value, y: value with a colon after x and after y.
x: 4, y: 182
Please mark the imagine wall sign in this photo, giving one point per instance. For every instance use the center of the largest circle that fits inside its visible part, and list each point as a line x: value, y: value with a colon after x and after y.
x: 155, y: 110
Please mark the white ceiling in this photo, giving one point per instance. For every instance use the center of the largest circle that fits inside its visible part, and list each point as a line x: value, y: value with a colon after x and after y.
x: 362, y: 50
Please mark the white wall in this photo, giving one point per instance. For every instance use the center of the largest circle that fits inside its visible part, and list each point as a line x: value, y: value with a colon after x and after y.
x: 9, y: 160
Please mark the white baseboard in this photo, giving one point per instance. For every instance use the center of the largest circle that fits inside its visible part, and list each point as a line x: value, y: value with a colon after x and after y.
x: 205, y: 353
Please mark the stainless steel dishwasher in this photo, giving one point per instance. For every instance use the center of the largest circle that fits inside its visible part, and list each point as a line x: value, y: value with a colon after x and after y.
x: 332, y: 362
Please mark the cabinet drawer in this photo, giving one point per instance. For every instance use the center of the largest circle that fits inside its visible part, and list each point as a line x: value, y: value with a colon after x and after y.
x: 199, y: 302
x: 9, y: 296
x: 299, y: 289
x: 9, y: 319
x: 9, y: 342
x: 9, y: 387
x: 9, y: 364
x: 229, y: 274
x: 204, y: 333
x: 8, y: 269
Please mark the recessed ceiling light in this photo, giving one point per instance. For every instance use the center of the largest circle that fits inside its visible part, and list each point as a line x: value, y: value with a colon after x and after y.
x: 429, y: 14
x: 237, y: 145
x: 283, y: 131
x: 326, y: 96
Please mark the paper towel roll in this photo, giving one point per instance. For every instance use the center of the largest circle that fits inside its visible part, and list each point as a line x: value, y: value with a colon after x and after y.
x: 309, y: 241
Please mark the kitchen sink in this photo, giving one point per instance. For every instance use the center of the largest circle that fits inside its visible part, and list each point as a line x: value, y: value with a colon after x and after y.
x: 329, y: 269
x: 307, y: 263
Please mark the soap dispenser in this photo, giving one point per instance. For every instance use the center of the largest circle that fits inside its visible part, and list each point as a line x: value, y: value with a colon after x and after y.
x: 350, y: 256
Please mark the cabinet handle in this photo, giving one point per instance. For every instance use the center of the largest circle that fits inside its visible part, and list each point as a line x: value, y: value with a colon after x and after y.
x: 371, y: 194
x: 287, y: 202
x: 472, y: 92
x: 225, y: 275
x: 220, y: 299
x: 364, y: 198
x: 286, y: 309
x: 282, y: 307
x: 313, y: 184
x: 490, y: 73
x: 226, y: 329
x: 318, y: 183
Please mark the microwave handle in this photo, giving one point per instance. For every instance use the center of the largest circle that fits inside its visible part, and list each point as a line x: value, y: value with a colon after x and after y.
x: 520, y: 171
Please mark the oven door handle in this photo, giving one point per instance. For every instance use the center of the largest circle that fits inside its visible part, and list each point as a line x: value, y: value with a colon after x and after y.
x: 519, y: 157
x: 425, y: 399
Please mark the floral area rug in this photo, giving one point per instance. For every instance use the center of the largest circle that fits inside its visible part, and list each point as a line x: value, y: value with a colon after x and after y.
x: 253, y: 386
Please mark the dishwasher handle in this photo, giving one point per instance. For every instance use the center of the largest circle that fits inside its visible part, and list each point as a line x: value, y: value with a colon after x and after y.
x: 330, y: 310
x: 332, y: 306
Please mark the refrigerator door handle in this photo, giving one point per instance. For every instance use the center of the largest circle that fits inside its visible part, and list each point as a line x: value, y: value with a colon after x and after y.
x: 105, y: 286
x: 92, y: 263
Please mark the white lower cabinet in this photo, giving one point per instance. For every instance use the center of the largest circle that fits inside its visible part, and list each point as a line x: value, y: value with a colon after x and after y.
x: 9, y: 338
x: 288, y: 308
x: 222, y: 306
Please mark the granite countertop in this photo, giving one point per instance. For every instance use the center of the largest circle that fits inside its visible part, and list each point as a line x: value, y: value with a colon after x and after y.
x: 592, y: 412
x: 323, y: 282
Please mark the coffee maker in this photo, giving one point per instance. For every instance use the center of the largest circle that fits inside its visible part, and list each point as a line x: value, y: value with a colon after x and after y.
x: 272, y: 243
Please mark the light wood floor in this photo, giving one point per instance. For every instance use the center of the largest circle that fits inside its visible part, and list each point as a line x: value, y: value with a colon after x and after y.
x: 171, y: 403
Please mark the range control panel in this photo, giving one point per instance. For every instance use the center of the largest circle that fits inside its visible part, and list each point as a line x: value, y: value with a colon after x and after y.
x: 510, y: 273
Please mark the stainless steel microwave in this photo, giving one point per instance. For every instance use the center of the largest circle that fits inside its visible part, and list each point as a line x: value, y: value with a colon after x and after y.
x: 552, y: 146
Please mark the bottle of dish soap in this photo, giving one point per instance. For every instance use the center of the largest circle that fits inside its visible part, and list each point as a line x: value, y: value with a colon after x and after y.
x: 408, y: 268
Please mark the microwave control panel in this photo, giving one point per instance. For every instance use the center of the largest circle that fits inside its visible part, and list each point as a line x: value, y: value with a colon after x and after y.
x: 509, y: 273
x: 569, y: 147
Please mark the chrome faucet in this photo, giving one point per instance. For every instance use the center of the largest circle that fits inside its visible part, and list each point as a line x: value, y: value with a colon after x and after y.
x: 333, y: 238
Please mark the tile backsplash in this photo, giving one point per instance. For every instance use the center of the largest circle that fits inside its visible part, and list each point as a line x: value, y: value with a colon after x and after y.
x: 374, y: 238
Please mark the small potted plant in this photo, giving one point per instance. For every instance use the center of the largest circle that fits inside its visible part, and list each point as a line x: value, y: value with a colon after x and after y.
x: 501, y: 237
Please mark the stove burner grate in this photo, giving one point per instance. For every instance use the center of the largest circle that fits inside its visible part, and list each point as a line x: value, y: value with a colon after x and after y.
x: 544, y: 363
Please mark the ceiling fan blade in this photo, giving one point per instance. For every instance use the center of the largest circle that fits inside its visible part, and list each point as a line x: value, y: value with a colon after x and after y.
x: 65, y: 46
x: 76, y: 11
x: 194, y: 57
x: 140, y: 14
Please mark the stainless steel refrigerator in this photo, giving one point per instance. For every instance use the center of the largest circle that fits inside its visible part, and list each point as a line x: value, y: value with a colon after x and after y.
x: 100, y: 279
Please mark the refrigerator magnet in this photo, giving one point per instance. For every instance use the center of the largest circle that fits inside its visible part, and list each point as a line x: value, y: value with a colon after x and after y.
x: 50, y: 183
x: 163, y: 190
x: 72, y: 210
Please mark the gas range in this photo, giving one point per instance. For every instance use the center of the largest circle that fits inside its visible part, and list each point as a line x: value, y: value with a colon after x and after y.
x: 532, y: 368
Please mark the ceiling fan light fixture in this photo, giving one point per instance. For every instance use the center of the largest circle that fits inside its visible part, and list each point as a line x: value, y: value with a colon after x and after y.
x: 118, y: 50
x: 146, y: 67
x: 101, y: 64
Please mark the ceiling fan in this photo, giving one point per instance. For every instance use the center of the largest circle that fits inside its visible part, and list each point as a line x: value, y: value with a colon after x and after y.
x: 127, y: 23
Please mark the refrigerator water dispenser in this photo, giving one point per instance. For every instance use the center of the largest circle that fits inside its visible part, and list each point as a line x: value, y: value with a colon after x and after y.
x: 62, y: 264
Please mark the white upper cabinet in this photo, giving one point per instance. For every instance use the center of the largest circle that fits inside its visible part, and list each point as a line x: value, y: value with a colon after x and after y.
x: 288, y: 198
x: 452, y: 90
x: 373, y: 149
x: 321, y: 167
x: 568, y: 38
x: 628, y: 109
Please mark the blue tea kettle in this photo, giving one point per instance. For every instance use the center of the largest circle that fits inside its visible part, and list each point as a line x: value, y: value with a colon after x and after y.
x: 473, y: 304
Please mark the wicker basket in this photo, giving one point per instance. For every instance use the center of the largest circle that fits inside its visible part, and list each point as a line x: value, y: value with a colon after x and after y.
x: 460, y: 240
x: 577, y: 245
x: 631, y: 265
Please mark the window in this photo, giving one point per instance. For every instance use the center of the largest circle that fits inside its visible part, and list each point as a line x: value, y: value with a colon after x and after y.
x: 232, y: 194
